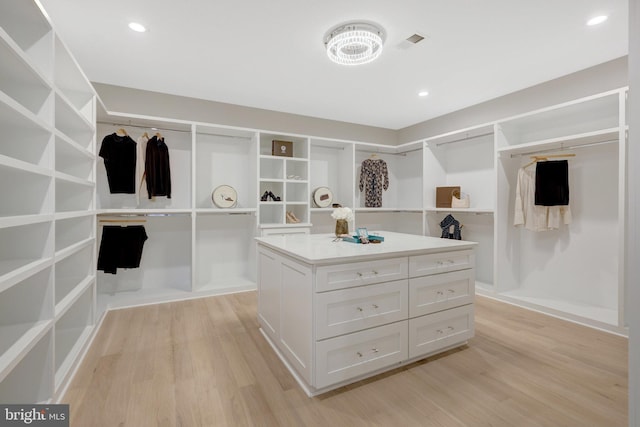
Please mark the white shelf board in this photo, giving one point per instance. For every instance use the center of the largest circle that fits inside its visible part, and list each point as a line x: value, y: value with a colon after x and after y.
x: 66, y: 142
x: 382, y: 210
x: 24, y: 336
x: 143, y: 297
x: 462, y: 210
x: 280, y: 203
x: 566, y: 308
x: 72, y: 249
x: 73, y: 214
x: 271, y: 180
x: 151, y: 212
x: 73, y: 179
x: 76, y: 345
x: 231, y: 211
x: 227, y: 285
x: 296, y: 181
x: 563, y: 143
x: 15, y: 271
x: 72, y: 297
x: 71, y: 108
x: 18, y: 220
x: 286, y: 225
x: 21, y: 166
x: 29, y: 66
x: 296, y: 203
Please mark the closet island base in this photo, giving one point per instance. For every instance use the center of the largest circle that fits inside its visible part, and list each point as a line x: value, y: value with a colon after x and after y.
x: 337, y: 312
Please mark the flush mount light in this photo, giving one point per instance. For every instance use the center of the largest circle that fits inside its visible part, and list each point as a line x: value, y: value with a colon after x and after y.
x: 354, y: 43
x: 423, y: 93
x: 137, y: 27
x: 597, y: 20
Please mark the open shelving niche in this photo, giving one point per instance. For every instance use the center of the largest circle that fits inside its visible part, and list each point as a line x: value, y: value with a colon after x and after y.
x: 575, y: 271
x: 47, y: 114
x: 465, y: 158
x: 402, y: 202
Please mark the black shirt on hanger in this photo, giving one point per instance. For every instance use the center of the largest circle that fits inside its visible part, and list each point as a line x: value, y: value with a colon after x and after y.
x: 157, y: 170
x: 119, y: 154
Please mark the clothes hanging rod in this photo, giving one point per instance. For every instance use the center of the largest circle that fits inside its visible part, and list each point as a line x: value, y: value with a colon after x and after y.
x: 562, y: 147
x: 466, y: 138
x: 143, y: 127
x: 142, y: 214
x: 381, y: 152
x: 327, y: 146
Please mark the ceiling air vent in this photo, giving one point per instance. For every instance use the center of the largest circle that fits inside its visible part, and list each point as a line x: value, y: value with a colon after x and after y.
x: 416, y: 38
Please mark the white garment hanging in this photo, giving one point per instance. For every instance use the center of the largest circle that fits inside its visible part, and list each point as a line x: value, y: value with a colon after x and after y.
x: 141, y: 149
x: 532, y: 216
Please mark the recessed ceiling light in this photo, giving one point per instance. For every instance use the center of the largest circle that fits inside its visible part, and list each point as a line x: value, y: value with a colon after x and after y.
x: 597, y: 20
x: 137, y: 27
x: 423, y: 93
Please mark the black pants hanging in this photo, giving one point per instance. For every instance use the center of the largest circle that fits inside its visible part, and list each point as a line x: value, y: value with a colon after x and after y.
x: 121, y: 247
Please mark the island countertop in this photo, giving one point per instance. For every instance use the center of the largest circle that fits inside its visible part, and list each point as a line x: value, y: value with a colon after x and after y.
x: 322, y: 249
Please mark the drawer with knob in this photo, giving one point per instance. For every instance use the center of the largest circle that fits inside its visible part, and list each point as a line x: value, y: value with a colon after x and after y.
x: 343, y: 276
x: 348, y: 356
x: 423, y: 265
x: 349, y: 310
x: 429, y: 294
x: 429, y: 334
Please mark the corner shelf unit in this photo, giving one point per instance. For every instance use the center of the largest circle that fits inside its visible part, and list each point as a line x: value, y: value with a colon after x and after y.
x: 47, y: 219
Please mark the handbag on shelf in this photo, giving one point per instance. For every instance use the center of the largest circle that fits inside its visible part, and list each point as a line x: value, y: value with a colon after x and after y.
x: 460, y: 200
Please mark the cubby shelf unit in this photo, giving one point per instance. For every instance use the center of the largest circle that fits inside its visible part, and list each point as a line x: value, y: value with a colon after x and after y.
x: 47, y: 225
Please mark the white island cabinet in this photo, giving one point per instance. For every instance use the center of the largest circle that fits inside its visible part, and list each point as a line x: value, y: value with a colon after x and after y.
x: 338, y: 312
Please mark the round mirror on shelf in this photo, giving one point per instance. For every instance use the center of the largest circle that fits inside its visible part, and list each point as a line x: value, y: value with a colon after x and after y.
x: 322, y: 197
x: 224, y: 196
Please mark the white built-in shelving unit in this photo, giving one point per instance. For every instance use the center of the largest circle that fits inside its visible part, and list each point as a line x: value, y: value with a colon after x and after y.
x: 47, y: 219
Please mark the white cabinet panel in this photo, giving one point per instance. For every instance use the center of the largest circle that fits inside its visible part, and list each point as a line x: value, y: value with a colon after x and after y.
x: 429, y: 294
x: 350, y: 310
x: 348, y: 356
x: 360, y: 273
x: 429, y: 334
x: 423, y: 265
x: 269, y: 292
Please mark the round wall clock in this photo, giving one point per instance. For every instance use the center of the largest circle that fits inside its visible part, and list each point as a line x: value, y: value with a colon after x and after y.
x: 224, y: 196
x: 322, y: 197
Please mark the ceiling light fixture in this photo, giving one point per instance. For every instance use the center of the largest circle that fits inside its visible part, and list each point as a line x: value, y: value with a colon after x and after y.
x: 423, y: 93
x: 137, y: 27
x: 597, y: 20
x: 354, y: 43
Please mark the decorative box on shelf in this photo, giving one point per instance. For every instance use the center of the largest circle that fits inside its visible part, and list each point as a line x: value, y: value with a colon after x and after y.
x: 282, y: 148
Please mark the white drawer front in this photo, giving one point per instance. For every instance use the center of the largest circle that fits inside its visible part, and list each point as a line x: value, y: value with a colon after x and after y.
x: 348, y: 356
x: 438, y: 292
x: 428, y: 334
x: 342, y: 276
x: 349, y: 310
x: 422, y: 265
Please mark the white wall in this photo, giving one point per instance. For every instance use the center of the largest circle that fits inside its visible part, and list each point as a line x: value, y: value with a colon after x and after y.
x: 633, y: 234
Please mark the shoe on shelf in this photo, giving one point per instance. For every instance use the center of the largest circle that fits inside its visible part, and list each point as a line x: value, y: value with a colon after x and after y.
x: 291, y: 218
x: 265, y: 196
x: 274, y: 197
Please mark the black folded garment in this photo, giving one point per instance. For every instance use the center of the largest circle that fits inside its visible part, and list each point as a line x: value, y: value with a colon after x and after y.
x: 552, y: 183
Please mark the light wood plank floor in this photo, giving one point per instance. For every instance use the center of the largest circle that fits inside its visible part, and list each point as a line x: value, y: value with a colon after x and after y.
x: 203, y: 362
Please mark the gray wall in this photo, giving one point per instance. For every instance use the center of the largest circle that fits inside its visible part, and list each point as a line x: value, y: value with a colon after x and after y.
x: 125, y: 100
x: 603, y: 77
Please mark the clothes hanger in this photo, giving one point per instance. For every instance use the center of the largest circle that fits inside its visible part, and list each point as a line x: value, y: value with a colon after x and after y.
x: 121, y: 131
x: 536, y: 159
x: 373, y: 156
x: 146, y: 135
x: 159, y: 135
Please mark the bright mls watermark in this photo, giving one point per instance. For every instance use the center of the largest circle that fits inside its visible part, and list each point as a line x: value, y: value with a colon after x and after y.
x: 34, y: 415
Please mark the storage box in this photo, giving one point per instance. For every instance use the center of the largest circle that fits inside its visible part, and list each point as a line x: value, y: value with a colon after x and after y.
x: 444, y: 195
x: 282, y: 148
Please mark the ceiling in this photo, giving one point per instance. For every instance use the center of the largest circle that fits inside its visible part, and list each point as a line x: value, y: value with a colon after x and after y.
x: 270, y: 54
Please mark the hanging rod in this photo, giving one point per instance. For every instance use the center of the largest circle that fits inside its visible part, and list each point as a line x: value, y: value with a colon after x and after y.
x: 382, y: 152
x: 143, y: 127
x: 562, y: 147
x: 327, y: 146
x: 141, y: 214
x: 466, y: 138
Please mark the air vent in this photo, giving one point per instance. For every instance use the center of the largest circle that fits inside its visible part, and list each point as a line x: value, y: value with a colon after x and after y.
x: 416, y: 38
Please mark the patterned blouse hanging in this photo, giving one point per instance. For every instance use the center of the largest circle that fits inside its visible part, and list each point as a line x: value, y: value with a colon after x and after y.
x: 374, y: 177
